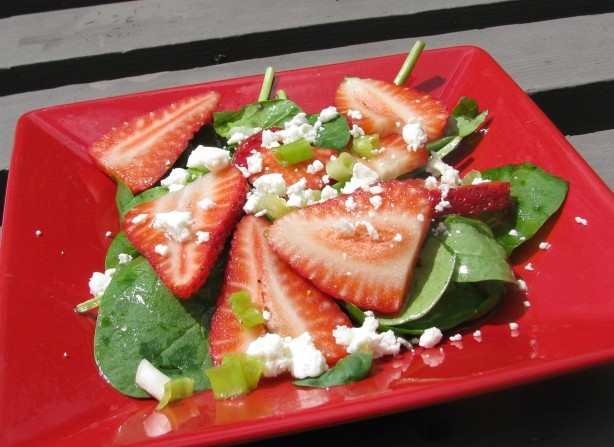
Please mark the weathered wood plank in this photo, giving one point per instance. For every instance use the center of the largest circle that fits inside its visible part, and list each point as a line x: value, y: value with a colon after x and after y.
x: 122, y: 27
x: 575, y: 49
x: 597, y: 149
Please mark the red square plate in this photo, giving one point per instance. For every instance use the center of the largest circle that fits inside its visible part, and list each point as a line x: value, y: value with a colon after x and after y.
x: 50, y: 390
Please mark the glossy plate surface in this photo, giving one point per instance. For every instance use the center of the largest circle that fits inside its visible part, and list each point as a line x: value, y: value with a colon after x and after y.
x: 50, y: 390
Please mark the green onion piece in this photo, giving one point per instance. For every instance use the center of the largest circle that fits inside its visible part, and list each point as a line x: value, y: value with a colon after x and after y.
x: 274, y: 205
x: 341, y: 168
x: 364, y: 145
x: 267, y: 84
x: 244, y: 309
x: 470, y: 177
x: 88, y: 305
x: 176, y: 389
x: 295, y: 152
x: 409, y: 63
x: 237, y: 375
x: 281, y: 94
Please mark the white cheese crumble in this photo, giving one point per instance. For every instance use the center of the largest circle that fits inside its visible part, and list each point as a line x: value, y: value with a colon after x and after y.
x: 362, y: 177
x: 328, y: 114
x: 581, y: 221
x: 366, y: 339
x: 328, y: 192
x: 99, y: 282
x: 430, y: 337
x: 414, y: 136
x: 210, y: 158
x: 206, y: 204
x: 108, y: 234
x: 376, y: 201
x: 545, y: 246
x: 314, y: 167
x: 522, y: 285
x: 38, y: 233
x: 271, y: 184
x: 398, y: 237
x: 350, y: 204
x: 456, y: 337
x: 357, y: 131
x: 279, y: 354
x: 354, y: 114
x: 371, y: 231
x: 176, y: 180
x: 161, y: 249
x: 529, y: 267
x: 513, y: 233
x: 298, y: 196
x: 254, y: 163
x: 345, y: 227
x: 124, y: 258
x: 176, y: 224
x: 514, y: 326
x: 444, y: 172
x: 202, y: 236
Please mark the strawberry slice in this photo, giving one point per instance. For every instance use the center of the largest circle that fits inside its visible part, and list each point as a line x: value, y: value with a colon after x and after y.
x: 468, y: 200
x: 386, y: 107
x: 141, y: 151
x: 357, y: 247
x: 182, y: 233
x: 227, y: 334
x: 396, y: 159
x: 291, y: 173
x: 294, y: 304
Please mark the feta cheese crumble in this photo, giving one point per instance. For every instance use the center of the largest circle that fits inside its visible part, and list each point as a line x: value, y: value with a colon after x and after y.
x: 298, y: 356
x: 366, y: 339
x: 161, y: 249
x: 139, y: 218
x: 430, y: 338
x: 176, y: 180
x: 176, y: 224
x: 99, y: 282
x: 414, y: 136
x: 544, y: 246
x: 581, y: 221
x: 210, y: 158
x: 362, y: 177
x: 124, y: 258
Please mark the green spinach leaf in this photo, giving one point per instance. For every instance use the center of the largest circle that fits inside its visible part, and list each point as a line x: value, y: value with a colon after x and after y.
x: 479, y: 257
x: 262, y: 114
x: 537, y: 195
x: 334, y: 134
x: 349, y: 369
x: 431, y: 278
x: 120, y: 244
x: 140, y: 318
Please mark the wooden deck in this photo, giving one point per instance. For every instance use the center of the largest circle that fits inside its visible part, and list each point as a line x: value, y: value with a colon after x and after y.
x: 559, y: 52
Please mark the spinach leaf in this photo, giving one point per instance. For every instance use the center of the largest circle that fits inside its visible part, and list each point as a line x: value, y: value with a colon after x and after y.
x: 145, y: 196
x: 431, y: 278
x: 463, y: 121
x: 334, y: 134
x: 120, y: 244
x: 537, y: 195
x: 262, y: 114
x: 349, y: 369
x: 140, y: 318
x: 479, y: 257
x: 461, y: 303
x: 123, y: 197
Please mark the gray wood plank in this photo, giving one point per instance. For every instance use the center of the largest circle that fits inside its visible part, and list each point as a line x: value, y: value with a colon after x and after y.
x: 597, y: 149
x: 539, y: 56
x: 122, y: 27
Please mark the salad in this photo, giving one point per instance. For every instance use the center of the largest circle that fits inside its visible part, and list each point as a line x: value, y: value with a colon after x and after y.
x: 266, y: 241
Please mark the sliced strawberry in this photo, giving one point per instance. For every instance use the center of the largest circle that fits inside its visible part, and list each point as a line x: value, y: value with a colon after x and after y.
x: 468, y: 200
x: 291, y: 173
x: 395, y: 158
x: 141, y: 151
x: 386, y: 107
x: 294, y: 304
x: 181, y: 260
x: 371, y: 269
x: 227, y: 334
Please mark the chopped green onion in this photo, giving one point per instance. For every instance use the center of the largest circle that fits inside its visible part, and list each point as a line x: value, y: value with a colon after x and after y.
x: 341, y: 168
x: 274, y: 205
x: 364, y: 145
x: 244, y: 309
x: 409, y: 63
x: 281, y: 94
x: 295, y: 152
x: 237, y: 375
x: 470, y: 177
x: 267, y: 84
x: 176, y: 389
x: 151, y: 379
x: 88, y: 305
